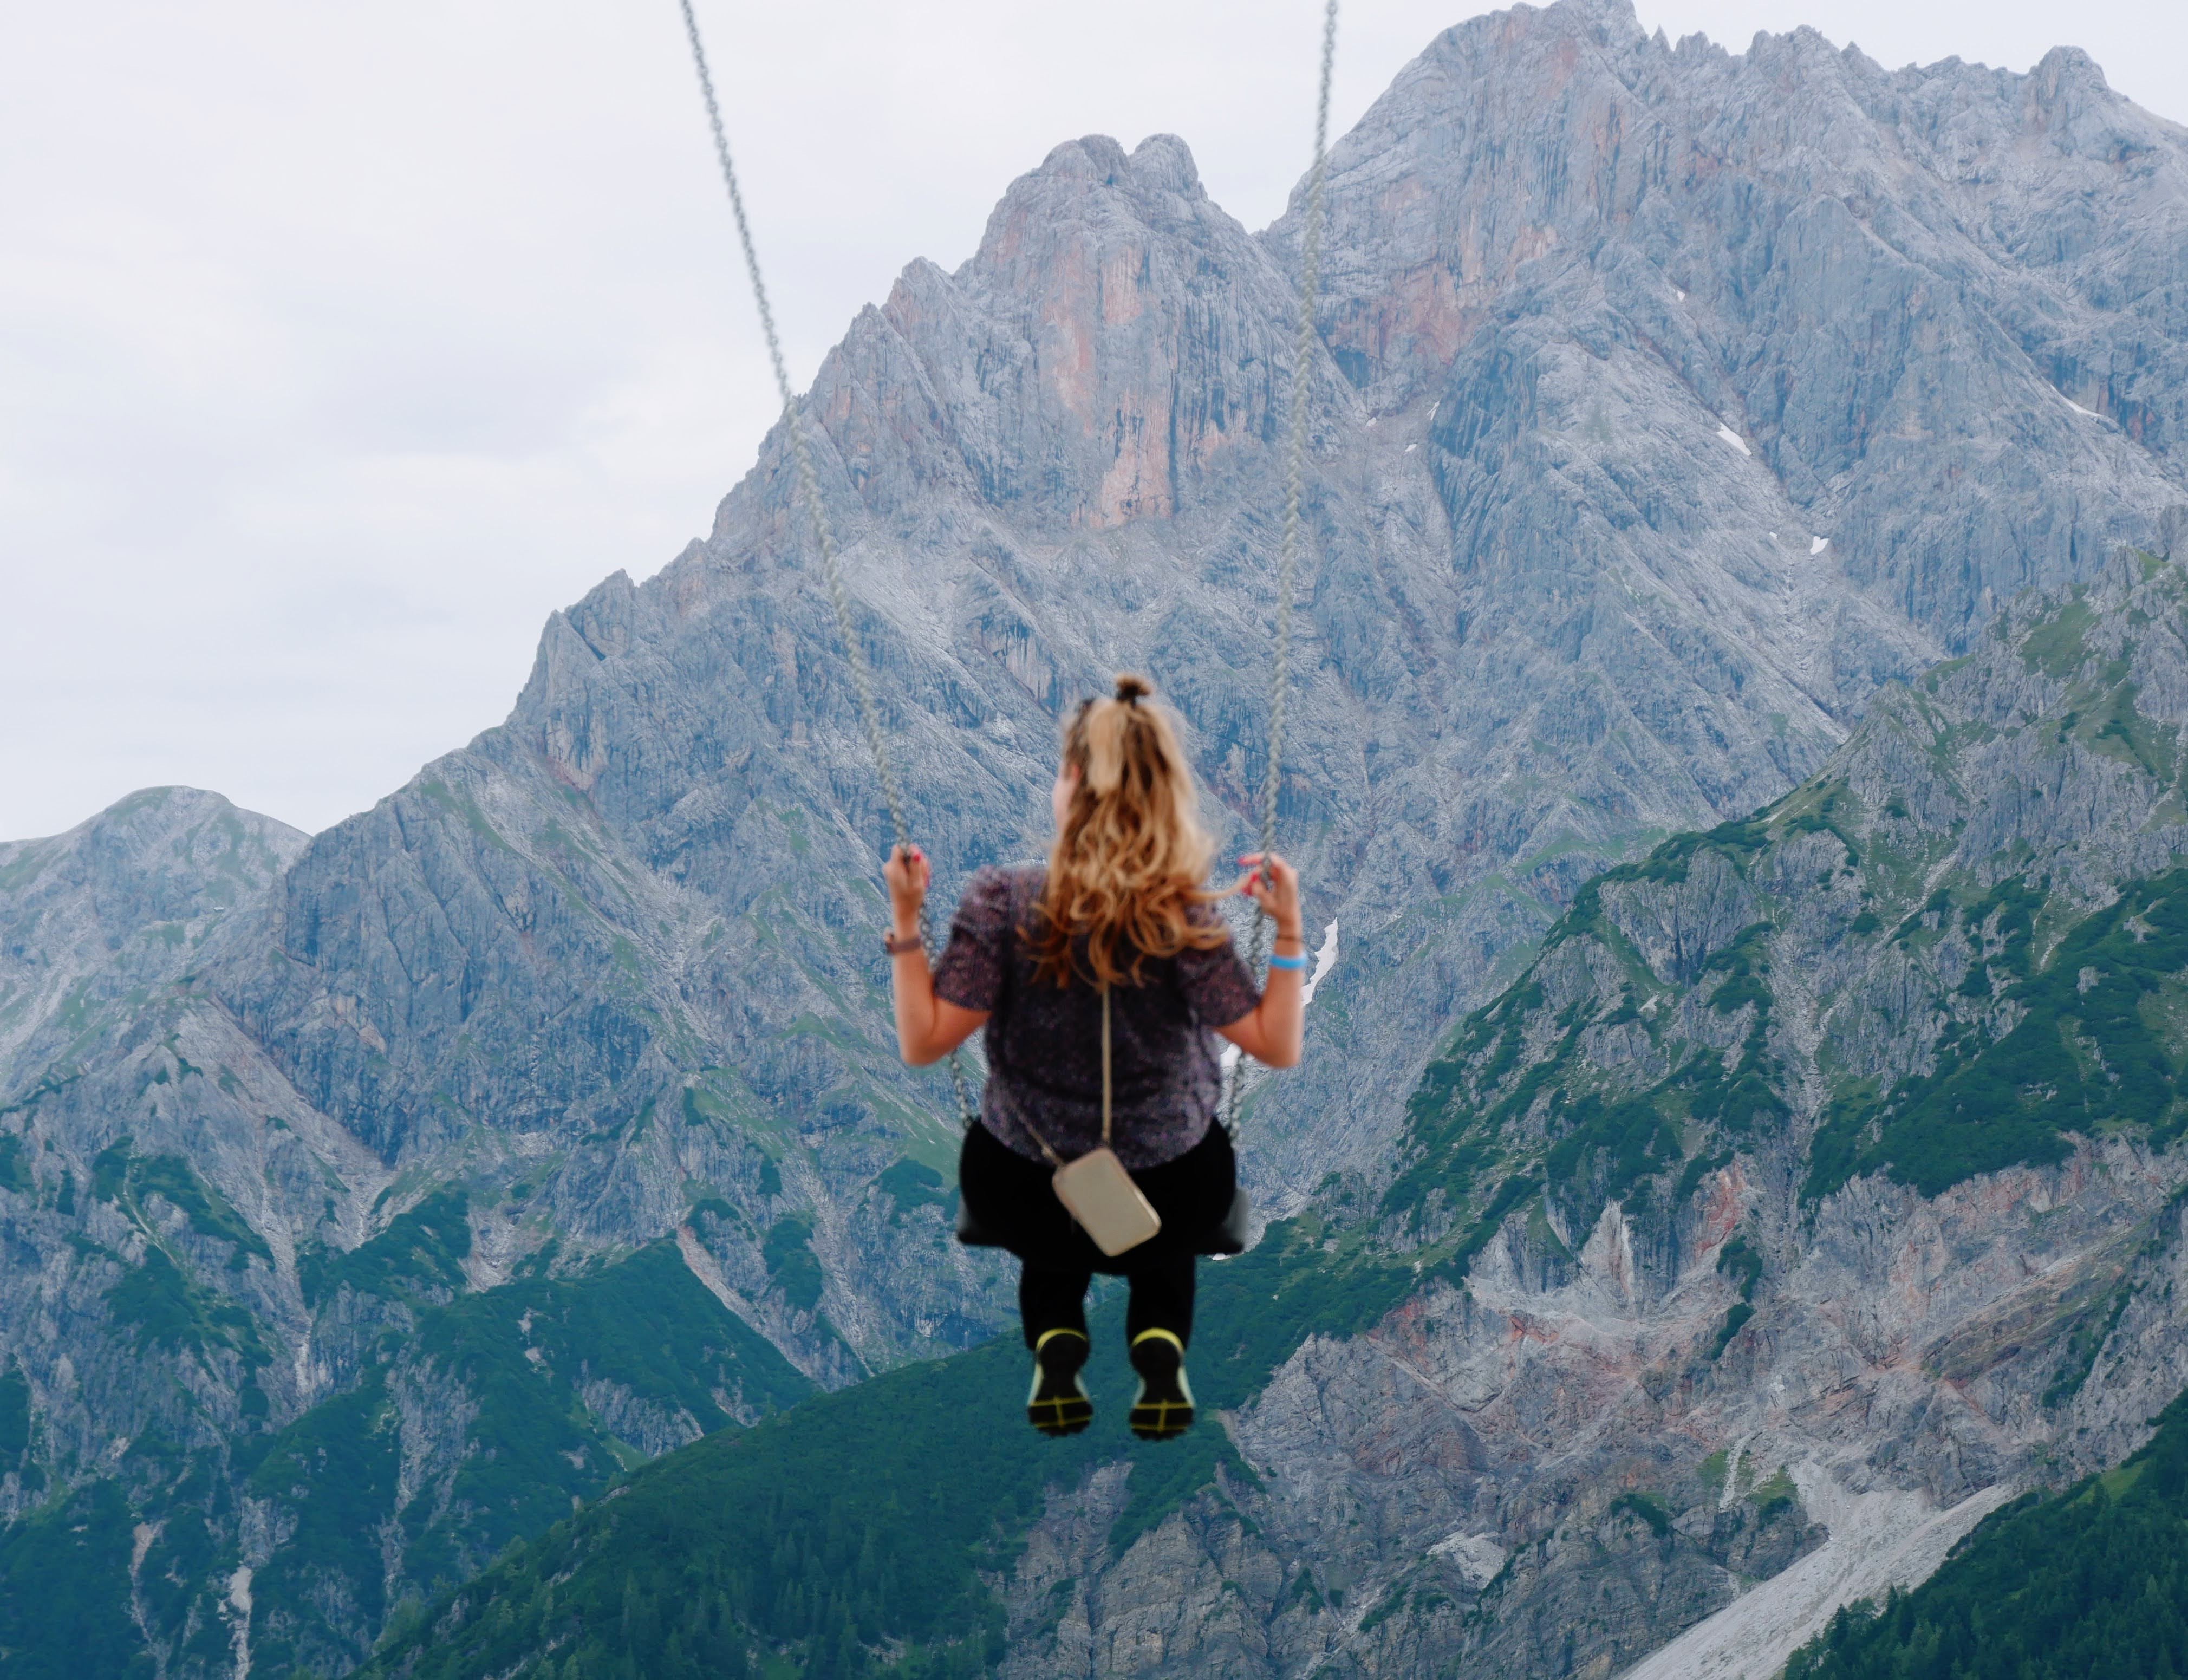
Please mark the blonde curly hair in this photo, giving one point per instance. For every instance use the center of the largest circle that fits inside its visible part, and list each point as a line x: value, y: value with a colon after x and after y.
x: 1126, y: 871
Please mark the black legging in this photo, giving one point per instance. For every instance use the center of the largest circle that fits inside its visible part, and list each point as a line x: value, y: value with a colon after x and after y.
x: 1012, y: 1198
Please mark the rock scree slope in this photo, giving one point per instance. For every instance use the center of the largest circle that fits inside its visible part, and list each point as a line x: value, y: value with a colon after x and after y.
x: 1668, y: 402
x: 1663, y: 1322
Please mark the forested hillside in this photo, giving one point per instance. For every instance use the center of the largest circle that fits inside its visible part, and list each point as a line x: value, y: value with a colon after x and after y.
x: 367, y: 1198
x: 876, y: 1520
x: 477, y: 1419
x: 1815, y: 1188
x: 2093, y: 1581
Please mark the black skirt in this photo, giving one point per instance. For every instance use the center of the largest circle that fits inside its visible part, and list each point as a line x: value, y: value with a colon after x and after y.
x: 1013, y: 1197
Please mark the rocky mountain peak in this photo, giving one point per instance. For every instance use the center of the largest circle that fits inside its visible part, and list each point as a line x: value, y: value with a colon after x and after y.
x: 1653, y: 437
x: 1815, y: 1190
x: 1671, y: 403
x: 122, y: 902
x: 1108, y: 345
x: 165, y: 848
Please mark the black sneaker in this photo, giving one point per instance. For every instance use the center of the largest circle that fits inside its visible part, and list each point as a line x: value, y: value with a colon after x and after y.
x: 1163, y: 1405
x: 1057, y: 1404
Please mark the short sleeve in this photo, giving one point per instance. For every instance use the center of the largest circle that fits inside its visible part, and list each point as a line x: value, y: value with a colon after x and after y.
x: 971, y: 972
x: 1218, y: 986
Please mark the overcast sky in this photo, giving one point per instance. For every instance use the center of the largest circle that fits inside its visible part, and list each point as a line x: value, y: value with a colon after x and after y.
x: 338, y: 344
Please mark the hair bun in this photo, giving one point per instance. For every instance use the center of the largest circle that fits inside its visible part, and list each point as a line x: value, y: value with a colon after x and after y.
x: 1132, y: 690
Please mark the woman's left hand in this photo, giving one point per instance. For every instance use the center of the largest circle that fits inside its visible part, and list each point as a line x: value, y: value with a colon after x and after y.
x: 1269, y: 1031
x: 1274, y: 885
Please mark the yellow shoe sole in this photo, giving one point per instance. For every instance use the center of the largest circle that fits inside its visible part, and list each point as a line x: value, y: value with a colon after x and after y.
x: 1158, y: 1414
x: 1056, y: 1405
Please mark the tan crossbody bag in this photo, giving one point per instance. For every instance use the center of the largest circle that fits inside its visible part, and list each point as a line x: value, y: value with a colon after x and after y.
x: 1096, y: 1190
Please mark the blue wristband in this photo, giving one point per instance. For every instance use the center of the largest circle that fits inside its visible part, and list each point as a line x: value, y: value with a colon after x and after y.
x: 1291, y: 962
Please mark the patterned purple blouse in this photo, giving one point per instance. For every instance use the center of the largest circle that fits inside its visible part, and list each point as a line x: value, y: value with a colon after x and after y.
x: 1043, y: 1041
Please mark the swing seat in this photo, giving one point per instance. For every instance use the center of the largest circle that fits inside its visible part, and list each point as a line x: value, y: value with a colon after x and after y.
x: 1227, y: 1238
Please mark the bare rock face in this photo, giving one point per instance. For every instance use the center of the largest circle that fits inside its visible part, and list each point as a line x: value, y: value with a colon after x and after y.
x: 1821, y: 1249
x: 122, y: 903
x: 1677, y: 332
x: 100, y: 929
x: 1868, y: 277
x: 1667, y: 402
x: 1668, y: 411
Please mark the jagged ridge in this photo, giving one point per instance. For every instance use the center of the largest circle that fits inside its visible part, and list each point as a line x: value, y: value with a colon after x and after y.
x: 1631, y: 1163
x: 1673, y: 400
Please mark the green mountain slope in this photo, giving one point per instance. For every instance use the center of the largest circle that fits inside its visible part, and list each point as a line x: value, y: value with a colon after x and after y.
x: 866, y: 1522
x: 1683, y: 1165
x: 2091, y: 1582
x: 1539, y: 1390
x: 1952, y: 936
x: 478, y: 1419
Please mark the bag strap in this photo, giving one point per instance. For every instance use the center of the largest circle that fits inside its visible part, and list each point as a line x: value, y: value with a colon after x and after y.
x: 1054, y: 1159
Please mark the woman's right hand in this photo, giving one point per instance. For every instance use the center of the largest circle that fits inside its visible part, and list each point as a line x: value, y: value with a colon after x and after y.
x: 907, y: 874
x: 1274, y: 885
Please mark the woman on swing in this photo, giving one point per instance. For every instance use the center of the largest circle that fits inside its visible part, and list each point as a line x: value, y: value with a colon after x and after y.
x: 1116, y: 927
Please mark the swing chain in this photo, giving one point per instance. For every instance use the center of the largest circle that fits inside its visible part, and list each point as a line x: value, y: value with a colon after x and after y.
x: 808, y: 488
x: 1295, y: 495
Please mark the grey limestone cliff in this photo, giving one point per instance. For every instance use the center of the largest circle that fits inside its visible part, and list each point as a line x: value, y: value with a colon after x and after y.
x: 1667, y: 401
x: 1850, y: 1193
x: 1819, y: 1185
